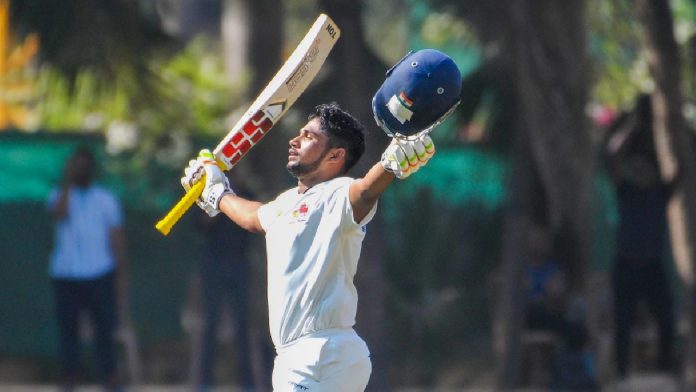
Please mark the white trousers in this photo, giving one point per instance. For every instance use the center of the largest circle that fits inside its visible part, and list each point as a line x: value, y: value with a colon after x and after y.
x: 327, y: 361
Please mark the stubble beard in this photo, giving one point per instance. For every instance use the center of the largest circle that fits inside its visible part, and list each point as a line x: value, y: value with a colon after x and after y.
x: 298, y: 169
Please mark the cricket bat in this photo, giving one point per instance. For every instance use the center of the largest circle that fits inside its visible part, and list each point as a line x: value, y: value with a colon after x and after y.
x: 273, y: 102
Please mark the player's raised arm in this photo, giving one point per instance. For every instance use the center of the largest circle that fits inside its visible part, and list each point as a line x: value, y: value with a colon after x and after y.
x: 364, y: 192
x: 420, y: 92
x: 242, y: 211
x: 218, y: 195
x: 401, y: 159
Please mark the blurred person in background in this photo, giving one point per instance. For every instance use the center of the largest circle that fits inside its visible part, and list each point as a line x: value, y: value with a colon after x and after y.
x: 639, y: 272
x: 546, y: 286
x: 225, y: 274
x: 87, y: 268
x: 551, y: 307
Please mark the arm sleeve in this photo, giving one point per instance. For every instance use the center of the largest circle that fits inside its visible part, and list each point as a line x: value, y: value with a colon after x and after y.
x: 367, y: 217
x: 113, y: 211
x: 340, y: 202
x: 267, y: 214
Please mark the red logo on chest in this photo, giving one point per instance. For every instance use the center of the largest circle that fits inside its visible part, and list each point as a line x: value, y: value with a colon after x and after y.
x: 301, y: 212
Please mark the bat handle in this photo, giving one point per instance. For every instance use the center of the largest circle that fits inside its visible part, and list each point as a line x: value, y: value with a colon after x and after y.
x: 165, y: 224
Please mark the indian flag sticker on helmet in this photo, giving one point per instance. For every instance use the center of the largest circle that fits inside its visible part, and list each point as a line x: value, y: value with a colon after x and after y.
x: 400, y: 107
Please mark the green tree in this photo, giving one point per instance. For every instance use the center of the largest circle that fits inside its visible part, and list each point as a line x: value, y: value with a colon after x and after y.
x: 539, y: 55
x: 110, y: 37
x: 675, y: 147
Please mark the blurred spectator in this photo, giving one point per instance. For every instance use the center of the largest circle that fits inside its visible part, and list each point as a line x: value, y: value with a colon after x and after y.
x: 87, y: 267
x: 225, y: 278
x: 638, y: 273
x: 547, y: 296
x: 549, y: 307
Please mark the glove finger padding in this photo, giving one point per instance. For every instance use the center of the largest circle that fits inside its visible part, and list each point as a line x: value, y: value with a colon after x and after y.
x: 405, y: 157
x: 192, y: 174
x: 394, y: 159
x: 214, y: 175
x: 425, y: 148
x: 216, y: 182
x: 196, y: 169
x: 410, y: 153
x: 419, y: 153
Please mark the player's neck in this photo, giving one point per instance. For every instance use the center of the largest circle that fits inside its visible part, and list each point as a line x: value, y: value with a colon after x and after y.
x: 304, y: 183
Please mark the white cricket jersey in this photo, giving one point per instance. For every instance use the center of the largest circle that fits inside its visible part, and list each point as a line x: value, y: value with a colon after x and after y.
x: 313, y: 245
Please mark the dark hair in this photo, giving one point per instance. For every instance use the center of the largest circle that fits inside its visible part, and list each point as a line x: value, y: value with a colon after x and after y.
x: 344, y: 131
x: 82, y: 166
x: 84, y: 152
x: 642, y: 141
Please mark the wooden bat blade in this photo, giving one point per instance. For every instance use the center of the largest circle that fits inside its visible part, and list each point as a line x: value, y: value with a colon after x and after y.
x: 271, y: 104
x: 280, y: 93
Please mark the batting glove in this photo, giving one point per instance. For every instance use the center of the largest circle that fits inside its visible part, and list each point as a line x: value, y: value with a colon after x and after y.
x: 216, y: 183
x: 404, y: 157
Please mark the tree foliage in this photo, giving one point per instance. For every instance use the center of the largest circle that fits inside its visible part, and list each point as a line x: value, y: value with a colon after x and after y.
x: 153, y: 138
x: 108, y: 37
x: 193, y: 97
x: 620, y: 69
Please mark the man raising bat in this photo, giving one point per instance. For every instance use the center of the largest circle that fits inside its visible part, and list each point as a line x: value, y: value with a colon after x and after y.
x: 314, y: 231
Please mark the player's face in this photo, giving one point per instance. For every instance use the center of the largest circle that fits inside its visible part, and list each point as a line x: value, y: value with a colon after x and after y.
x: 308, y: 149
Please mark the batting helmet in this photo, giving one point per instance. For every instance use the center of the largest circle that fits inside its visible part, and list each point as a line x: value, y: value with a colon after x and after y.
x: 420, y: 91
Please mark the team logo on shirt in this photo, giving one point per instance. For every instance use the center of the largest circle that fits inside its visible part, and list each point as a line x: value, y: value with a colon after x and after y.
x: 300, y: 214
x: 298, y: 387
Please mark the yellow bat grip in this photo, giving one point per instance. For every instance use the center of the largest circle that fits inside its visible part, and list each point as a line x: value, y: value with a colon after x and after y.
x: 165, y: 224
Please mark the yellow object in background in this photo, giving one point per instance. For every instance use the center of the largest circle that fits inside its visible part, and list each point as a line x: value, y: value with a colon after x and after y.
x: 16, y: 87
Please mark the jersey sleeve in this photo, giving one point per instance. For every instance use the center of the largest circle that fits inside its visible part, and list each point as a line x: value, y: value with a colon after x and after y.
x: 367, y: 217
x: 269, y: 212
x: 340, y: 204
x: 265, y: 215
